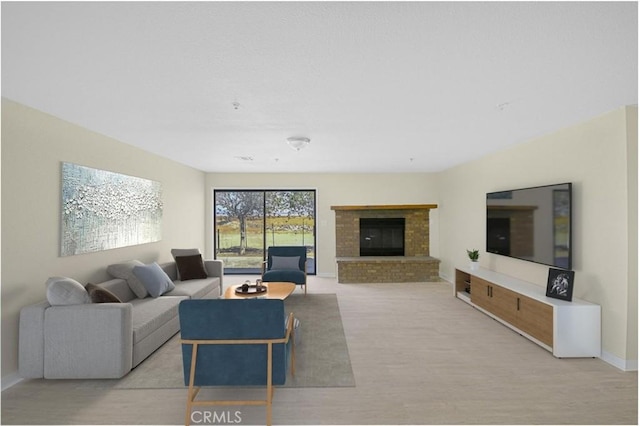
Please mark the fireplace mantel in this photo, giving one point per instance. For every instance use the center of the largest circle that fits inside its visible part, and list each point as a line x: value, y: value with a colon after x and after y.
x: 388, y: 207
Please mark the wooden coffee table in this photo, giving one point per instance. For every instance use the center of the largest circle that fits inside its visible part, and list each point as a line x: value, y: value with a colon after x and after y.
x: 275, y: 290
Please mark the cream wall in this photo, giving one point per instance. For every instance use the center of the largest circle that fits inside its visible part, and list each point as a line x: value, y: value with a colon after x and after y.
x: 331, y: 190
x: 600, y: 158
x: 33, y: 146
x: 632, y: 179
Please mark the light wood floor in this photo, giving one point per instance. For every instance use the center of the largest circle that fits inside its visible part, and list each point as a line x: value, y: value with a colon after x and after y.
x: 419, y: 356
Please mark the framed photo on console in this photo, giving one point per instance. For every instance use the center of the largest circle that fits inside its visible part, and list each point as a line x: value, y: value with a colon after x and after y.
x: 560, y: 284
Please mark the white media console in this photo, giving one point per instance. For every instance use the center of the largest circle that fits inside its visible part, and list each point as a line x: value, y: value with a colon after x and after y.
x: 566, y: 329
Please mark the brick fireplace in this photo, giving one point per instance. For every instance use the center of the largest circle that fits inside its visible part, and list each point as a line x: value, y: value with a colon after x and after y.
x: 415, y: 266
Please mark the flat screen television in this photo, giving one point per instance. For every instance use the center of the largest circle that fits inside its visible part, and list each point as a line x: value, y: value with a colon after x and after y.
x: 531, y: 224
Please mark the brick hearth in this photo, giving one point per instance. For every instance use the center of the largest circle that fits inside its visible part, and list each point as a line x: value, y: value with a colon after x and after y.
x: 415, y: 266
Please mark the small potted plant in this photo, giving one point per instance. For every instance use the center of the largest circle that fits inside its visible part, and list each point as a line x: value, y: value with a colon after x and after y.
x: 473, y: 256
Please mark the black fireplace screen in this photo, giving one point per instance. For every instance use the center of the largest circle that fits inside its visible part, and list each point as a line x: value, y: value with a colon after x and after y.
x: 382, y: 237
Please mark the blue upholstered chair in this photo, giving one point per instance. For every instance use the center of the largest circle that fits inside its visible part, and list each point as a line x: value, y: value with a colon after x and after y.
x: 286, y: 264
x: 235, y: 343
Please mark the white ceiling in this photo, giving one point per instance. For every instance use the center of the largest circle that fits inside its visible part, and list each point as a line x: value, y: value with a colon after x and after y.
x: 377, y: 86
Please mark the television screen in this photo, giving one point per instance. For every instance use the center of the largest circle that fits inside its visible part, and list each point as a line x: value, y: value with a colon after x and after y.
x: 531, y: 224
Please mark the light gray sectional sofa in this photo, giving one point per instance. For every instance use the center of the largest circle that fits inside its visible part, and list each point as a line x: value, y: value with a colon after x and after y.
x: 106, y: 340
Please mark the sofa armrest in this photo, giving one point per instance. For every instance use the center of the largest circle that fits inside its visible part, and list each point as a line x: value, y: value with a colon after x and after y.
x: 215, y: 268
x: 31, y: 341
x: 89, y: 341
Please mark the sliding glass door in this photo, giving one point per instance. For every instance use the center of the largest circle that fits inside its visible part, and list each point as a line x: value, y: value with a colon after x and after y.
x: 247, y: 222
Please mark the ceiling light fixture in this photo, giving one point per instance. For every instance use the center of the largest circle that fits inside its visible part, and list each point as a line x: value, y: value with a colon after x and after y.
x: 298, y: 143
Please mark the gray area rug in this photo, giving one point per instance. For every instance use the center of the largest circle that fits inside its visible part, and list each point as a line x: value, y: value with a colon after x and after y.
x: 322, y: 355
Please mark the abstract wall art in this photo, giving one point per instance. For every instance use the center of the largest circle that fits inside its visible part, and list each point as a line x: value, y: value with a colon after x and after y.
x: 103, y: 210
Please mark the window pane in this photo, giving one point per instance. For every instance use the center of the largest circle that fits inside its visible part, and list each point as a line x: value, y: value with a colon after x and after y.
x: 290, y: 221
x: 239, y: 230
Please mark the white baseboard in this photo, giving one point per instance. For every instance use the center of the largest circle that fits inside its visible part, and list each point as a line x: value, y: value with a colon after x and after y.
x: 10, y: 380
x: 622, y: 364
x: 325, y: 275
x: 446, y: 278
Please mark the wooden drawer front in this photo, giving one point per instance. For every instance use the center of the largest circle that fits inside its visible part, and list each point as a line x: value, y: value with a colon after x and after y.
x: 504, y: 303
x: 536, y: 319
x: 479, y: 292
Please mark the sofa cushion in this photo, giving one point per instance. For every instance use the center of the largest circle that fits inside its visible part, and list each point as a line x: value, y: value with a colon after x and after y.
x: 66, y: 291
x: 195, y: 289
x: 120, y: 288
x: 154, y: 279
x: 183, y: 252
x: 190, y: 267
x: 124, y: 271
x: 99, y: 294
x: 170, y: 269
x: 285, y: 262
x: 150, y: 314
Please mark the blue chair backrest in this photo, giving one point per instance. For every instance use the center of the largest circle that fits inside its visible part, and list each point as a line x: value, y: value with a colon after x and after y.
x: 288, y: 251
x: 233, y: 365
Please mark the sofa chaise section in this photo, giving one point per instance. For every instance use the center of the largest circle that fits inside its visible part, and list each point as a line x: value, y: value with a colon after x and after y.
x: 106, y: 340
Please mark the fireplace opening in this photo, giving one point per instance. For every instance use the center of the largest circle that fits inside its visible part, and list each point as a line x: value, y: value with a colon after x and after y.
x: 382, y: 236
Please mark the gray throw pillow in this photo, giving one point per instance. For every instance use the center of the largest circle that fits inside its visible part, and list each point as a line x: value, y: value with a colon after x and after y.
x: 183, y: 252
x: 285, y: 262
x: 154, y: 279
x: 124, y: 271
x: 66, y: 291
